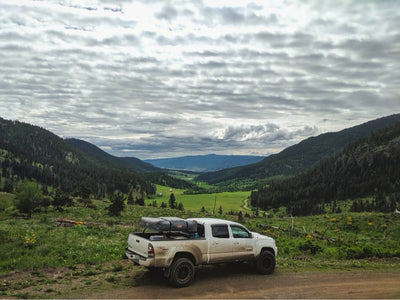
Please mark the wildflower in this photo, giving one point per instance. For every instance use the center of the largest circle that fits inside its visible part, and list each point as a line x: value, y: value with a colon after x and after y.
x: 308, y: 236
x: 333, y: 219
x: 369, y: 223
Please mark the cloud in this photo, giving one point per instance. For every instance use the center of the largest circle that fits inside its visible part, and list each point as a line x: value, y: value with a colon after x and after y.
x: 159, y: 78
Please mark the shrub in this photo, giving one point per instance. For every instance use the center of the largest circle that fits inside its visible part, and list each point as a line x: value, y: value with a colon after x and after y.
x: 310, y: 246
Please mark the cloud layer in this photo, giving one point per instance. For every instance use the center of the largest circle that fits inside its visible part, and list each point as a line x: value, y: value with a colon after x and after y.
x: 168, y: 78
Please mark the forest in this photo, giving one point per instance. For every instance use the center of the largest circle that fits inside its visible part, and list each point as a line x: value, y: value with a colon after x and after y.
x: 31, y: 153
x: 369, y: 167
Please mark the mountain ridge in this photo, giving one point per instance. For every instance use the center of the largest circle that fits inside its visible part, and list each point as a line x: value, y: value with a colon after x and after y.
x: 204, y: 163
x: 370, y: 167
x: 130, y: 163
x: 29, y: 152
x: 300, y: 157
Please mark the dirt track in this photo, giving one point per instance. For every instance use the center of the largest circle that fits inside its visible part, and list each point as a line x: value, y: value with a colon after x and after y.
x: 227, y: 283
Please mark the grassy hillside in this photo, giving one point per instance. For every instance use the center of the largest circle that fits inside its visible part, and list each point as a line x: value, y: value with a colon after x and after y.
x: 89, y: 254
x: 296, y: 159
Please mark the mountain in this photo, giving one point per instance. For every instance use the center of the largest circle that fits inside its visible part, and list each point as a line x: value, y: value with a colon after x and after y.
x: 204, y: 163
x: 96, y: 155
x: 300, y: 157
x: 368, y: 168
x: 28, y: 152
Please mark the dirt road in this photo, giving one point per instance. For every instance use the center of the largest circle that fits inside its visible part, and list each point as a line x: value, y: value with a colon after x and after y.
x: 242, y: 283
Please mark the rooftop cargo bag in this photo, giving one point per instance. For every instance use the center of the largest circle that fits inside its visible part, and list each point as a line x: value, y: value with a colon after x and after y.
x: 168, y: 224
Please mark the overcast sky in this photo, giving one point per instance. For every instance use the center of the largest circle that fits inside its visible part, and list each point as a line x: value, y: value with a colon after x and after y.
x: 154, y: 79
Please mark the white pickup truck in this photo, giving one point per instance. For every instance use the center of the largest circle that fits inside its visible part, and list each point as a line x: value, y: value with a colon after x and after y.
x: 198, y: 241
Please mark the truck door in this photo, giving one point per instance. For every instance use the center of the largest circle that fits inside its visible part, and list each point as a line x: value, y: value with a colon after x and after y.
x: 220, y: 246
x: 242, y: 243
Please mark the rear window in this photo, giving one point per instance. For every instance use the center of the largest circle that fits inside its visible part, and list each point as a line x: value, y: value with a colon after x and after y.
x: 220, y: 231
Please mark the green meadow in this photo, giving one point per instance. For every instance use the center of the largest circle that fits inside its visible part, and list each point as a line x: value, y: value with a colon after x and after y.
x: 229, y: 201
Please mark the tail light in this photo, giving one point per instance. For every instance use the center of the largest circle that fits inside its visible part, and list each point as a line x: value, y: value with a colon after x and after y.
x: 150, y: 250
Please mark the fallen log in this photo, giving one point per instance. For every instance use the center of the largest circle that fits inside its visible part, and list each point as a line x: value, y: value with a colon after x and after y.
x: 313, y: 234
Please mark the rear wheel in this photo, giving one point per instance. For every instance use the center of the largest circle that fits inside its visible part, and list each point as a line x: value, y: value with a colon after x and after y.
x: 266, y: 263
x: 182, y: 272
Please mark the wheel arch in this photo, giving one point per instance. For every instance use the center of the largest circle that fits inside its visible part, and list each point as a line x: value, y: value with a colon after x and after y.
x: 269, y: 249
x: 185, y: 254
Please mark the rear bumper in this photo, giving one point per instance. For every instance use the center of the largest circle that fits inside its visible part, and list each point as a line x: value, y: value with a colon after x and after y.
x: 138, y: 259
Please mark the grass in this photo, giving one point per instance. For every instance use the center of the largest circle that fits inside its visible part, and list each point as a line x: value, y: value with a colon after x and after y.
x: 91, y: 251
x: 228, y: 200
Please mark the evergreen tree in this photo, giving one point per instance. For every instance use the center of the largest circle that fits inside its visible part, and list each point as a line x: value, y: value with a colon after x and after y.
x: 240, y: 216
x: 172, y: 201
x: 130, y: 198
x: 139, y: 201
x: 61, y: 199
x: 117, y: 204
x: 8, y: 186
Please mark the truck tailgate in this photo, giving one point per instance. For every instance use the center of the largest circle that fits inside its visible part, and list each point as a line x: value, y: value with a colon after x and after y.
x: 138, y: 244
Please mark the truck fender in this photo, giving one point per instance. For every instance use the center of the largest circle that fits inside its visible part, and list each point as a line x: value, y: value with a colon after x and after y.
x: 193, y: 253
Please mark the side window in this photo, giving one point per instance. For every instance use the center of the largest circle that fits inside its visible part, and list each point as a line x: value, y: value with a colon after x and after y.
x: 200, y: 230
x: 239, y: 232
x: 220, y: 231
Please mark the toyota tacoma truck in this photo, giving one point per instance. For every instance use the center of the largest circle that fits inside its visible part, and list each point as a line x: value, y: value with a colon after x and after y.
x: 177, y: 245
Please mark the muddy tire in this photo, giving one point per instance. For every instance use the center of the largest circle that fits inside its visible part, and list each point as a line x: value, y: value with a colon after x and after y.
x: 182, y: 272
x: 265, y: 263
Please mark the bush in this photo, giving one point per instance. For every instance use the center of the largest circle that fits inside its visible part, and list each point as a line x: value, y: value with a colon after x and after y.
x: 29, y: 198
x: 310, y: 246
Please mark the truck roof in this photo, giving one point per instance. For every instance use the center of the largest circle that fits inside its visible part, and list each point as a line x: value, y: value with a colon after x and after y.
x: 213, y: 221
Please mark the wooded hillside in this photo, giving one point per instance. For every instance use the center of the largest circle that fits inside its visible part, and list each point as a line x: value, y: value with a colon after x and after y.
x: 369, y: 167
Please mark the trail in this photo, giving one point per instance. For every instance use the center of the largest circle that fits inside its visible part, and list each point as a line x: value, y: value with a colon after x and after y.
x: 217, y: 283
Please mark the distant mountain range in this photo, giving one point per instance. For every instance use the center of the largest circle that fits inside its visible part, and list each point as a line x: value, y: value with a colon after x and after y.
x: 297, y: 158
x: 204, y: 163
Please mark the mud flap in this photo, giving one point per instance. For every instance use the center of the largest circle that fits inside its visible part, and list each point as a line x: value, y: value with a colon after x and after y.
x: 167, y: 272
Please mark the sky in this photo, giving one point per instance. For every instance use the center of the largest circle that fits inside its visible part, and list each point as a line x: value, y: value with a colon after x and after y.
x: 157, y: 79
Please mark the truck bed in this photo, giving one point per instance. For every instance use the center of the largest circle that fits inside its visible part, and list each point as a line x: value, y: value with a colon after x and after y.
x: 164, y: 236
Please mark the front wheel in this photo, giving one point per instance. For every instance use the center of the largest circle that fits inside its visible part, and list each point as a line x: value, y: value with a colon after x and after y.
x: 266, y: 263
x: 182, y: 272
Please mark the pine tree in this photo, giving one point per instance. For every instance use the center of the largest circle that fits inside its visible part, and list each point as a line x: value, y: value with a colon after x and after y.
x: 117, y: 204
x: 130, y: 198
x: 172, y: 200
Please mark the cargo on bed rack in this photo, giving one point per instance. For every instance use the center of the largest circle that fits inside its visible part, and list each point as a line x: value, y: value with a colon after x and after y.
x: 168, y: 224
